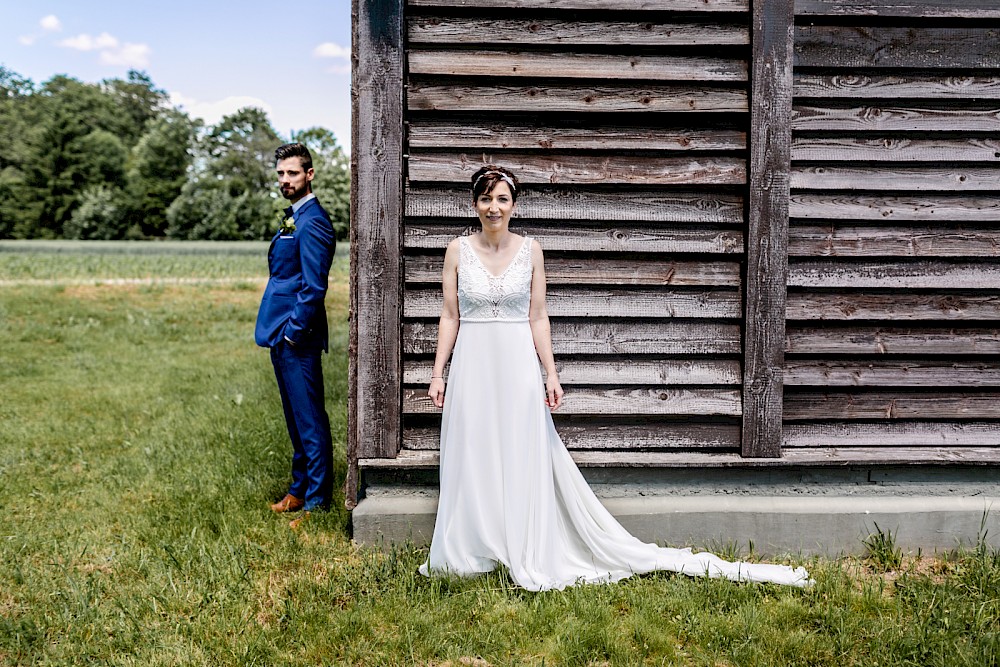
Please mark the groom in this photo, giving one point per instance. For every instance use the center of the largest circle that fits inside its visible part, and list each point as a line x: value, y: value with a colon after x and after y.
x: 292, y: 323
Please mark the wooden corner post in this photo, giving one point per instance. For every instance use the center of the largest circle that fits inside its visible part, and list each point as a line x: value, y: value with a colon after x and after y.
x: 772, y: 32
x: 375, y: 373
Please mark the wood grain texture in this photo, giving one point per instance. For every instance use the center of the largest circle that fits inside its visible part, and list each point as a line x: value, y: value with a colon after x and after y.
x: 614, y: 337
x: 853, y: 85
x: 894, y: 118
x: 896, y: 149
x: 581, y: 169
x: 516, y: 136
x: 597, y: 302
x: 845, y: 240
x: 892, y: 405
x: 546, y: 32
x: 894, y: 306
x: 602, y: 238
x: 893, y: 434
x: 880, y: 340
x: 882, y: 275
x: 907, y: 8
x: 568, y: 65
x: 772, y: 26
x: 892, y: 208
x: 892, y: 374
x: 896, y: 178
x: 615, y: 5
x: 578, y: 203
x: 891, y: 47
x: 427, y: 96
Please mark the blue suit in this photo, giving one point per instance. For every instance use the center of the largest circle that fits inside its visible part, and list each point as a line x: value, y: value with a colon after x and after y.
x: 292, y: 322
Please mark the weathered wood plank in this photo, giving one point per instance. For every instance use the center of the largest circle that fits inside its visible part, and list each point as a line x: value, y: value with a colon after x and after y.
x: 892, y: 405
x: 890, y: 340
x: 772, y: 28
x: 561, y: 97
x: 581, y: 169
x: 591, y: 237
x: 578, y: 203
x: 896, y: 149
x: 893, y: 434
x: 617, y: 337
x: 909, y: 47
x: 892, y: 373
x: 443, y: 134
x: 887, y: 86
x: 888, y: 208
x: 377, y: 204
x: 618, y: 401
x: 546, y: 32
x: 833, y: 240
x: 593, y: 302
x: 618, y: 371
x: 924, y: 274
x: 939, y: 179
x: 892, y: 306
x: 895, y: 118
x: 566, y: 65
x: 909, y: 8
x: 616, y: 5
x: 647, y: 436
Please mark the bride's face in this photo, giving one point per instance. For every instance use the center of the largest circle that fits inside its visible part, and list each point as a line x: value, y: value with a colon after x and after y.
x: 494, y: 207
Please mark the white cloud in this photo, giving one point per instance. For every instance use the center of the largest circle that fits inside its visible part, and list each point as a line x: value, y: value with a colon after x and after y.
x: 212, y: 112
x: 27, y: 40
x: 112, y: 52
x: 332, y: 50
x: 51, y: 23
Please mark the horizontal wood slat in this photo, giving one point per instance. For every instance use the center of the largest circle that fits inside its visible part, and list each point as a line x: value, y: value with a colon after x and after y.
x: 892, y: 306
x: 888, y: 208
x: 592, y: 302
x: 623, y: 98
x: 615, y: 5
x: 896, y: 149
x: 591, y: 238
x: 613, y: 271
x: 870, y: 340
x: 546, y: 32
x: 941, y: 179
x: 671, y: 435
x: 907, y: 8
x: 892, y: 373
x: 442, y: 134
x: 905, y: 47
x: 895, y: 118
x: 582, y: 169
x: 575, y: 65
x: 580, y: 204
x: 924, y: 274
x: 893, y: 434
x: 616, y: 337
x: 892, y: 405
x: 834, y: 240
x: 619, y: 401
x: 853, y: 85
x: 618, y: 371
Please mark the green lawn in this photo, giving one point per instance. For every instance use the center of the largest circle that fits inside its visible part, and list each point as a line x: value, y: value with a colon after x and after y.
x: 141, y: 442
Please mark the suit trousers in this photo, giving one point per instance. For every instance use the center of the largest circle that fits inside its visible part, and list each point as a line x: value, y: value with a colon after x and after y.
x: 299, y: 372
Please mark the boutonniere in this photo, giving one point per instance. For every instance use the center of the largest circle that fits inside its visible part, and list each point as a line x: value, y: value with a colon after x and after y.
x: 287, y: 226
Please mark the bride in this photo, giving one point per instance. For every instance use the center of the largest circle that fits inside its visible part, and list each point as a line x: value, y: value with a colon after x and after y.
x: 510, y: 493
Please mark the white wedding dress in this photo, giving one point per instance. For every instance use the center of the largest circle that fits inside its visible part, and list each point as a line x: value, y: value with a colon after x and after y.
x: 510, y: 493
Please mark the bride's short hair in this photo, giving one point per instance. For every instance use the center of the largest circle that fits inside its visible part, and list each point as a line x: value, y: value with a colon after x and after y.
x: 486, y: 178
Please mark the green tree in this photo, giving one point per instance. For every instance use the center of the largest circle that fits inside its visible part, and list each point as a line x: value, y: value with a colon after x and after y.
x: 100, y: 215
x: 18, y: 208
x: 137, y: 101
x: 332, y: 183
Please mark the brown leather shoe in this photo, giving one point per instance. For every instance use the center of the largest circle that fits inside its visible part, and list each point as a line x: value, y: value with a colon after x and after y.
x: 297, y: 522
x: 288, y: 504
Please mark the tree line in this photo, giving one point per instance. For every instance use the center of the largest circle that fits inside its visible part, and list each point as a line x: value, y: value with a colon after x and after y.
x: 115, y: 160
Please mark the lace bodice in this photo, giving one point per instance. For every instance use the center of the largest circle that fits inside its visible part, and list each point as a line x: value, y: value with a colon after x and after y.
x: 483, y: 297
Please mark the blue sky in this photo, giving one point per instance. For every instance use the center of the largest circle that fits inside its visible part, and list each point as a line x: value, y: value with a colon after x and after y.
x: 212, y: 56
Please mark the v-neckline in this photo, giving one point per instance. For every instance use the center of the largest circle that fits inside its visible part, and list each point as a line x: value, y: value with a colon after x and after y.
x: 483, y: 264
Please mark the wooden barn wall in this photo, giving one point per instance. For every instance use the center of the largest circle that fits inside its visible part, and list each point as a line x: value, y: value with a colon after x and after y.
x: 893, y: 296
x: 628, y: 128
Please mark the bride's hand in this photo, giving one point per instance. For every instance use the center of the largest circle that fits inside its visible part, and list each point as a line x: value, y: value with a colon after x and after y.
x: 436, y: 391
x: 553, y: 392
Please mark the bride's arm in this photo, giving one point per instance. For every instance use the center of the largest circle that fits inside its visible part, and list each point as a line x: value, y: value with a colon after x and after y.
x: 447, y: 325
x: 541, y: 331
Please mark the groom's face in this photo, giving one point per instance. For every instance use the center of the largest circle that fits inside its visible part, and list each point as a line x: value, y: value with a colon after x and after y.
x: 293, y: 180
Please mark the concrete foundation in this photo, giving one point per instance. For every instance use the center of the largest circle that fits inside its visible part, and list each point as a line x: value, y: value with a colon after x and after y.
x: 809, y: 511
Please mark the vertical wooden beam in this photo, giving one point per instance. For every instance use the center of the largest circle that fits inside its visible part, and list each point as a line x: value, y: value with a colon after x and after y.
x: 376, y: 217
x: 772, y: 34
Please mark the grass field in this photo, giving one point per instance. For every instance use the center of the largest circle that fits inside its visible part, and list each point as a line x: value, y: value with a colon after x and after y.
x: 141, y: 443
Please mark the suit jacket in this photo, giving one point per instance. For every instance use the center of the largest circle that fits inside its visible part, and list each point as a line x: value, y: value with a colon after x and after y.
x: 293, y: 305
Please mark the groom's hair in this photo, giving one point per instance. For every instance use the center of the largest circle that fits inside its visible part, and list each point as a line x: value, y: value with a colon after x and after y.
x: 294, y: 150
